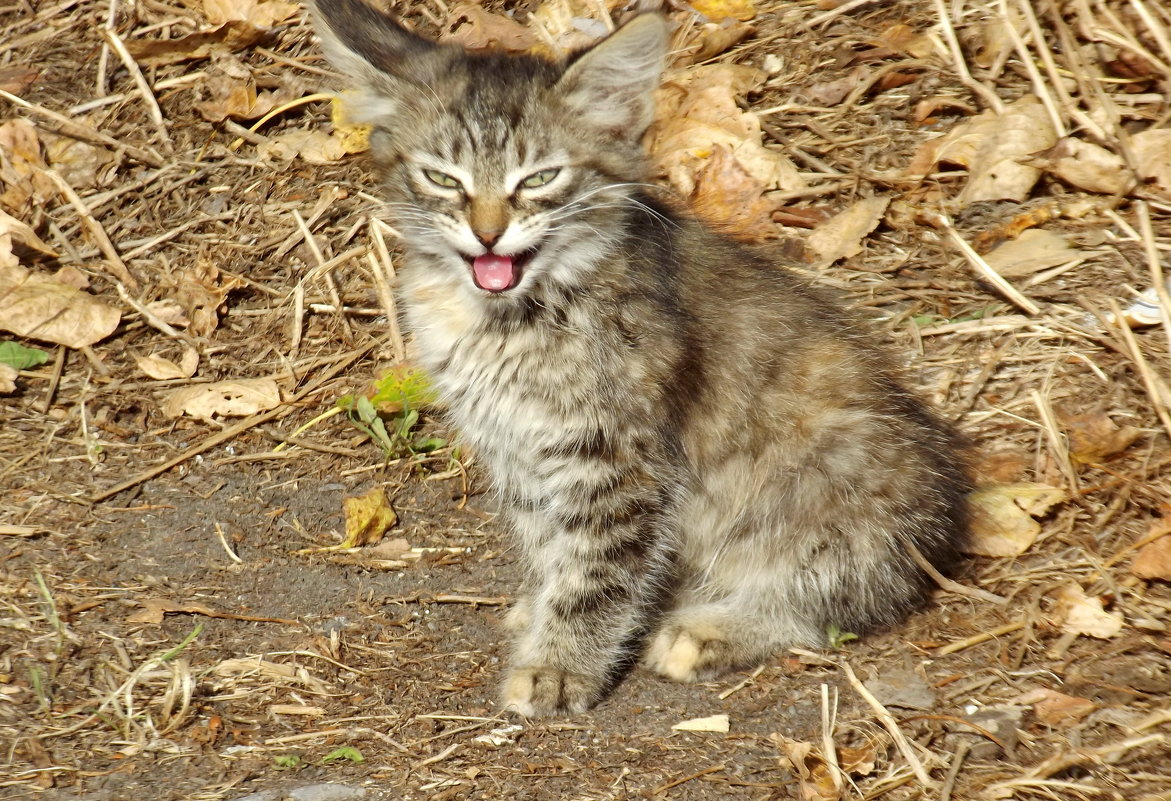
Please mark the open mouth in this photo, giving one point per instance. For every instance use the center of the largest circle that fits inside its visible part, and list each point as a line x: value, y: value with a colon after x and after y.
x: 495, y: 273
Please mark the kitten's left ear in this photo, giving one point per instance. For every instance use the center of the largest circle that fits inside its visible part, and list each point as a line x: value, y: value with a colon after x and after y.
x: 611, y: 86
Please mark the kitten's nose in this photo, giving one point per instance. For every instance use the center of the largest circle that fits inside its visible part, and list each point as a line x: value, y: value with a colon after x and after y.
x: 488, y: 238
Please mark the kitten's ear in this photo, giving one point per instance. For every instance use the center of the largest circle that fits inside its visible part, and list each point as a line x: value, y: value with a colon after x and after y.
x: 375, y: 52
x: 612, y: 85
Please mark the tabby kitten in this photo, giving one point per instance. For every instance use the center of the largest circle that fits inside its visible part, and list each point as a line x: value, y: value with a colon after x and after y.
x: 704, y: 459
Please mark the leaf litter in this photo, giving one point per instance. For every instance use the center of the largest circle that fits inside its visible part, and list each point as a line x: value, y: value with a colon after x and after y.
x: 1040, y: 136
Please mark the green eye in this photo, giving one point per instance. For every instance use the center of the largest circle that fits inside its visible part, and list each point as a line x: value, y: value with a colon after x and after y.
x: 441, y: 179
x: 540, y: 178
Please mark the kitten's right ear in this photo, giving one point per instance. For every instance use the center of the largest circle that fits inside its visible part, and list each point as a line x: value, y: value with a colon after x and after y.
x: 373, y: 50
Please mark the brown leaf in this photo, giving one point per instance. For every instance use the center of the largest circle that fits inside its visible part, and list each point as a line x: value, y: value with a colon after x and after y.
x: 40, y: 307
x: 155, y: 609
x: 8, y: 376
x: 816, y: 779
x: 730, y: 200
x: 238, y: 98
x: 1154, y: 560
x: 1035, y: 250
x: 902, y: 38
x: 24, y: 241
x: 841, y: 236
x: 1152, y: 154
x: 715, y: 39
x: 315, y: 147
x: 22, y: 167
x: 261, y: 13
x: 232, y: 398
x: 830, y: 93
x: 1094, y: 437
x: 1087, y: 166
x: 1002, y: 517
x: 1057, y: 709
x: 162, y: 369
x: 18, y: 80
x: 1078, y: 613
x: 226, y: 38
x: 994, y: 148
x: 476, y: 29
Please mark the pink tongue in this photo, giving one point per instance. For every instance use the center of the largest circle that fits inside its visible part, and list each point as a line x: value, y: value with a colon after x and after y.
x: 494, y: 273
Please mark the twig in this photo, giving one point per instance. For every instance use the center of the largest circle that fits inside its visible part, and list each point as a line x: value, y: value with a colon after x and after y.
x: 828, y: 748
x: 728, y: 693
x: 976, y: 639
x: 234, y: 431
x: 1056, y: 439
x: 152, y: 319
x: 665, y: 787
x: 982, y: 267
x: 1156, y: 389
x: 834, y: 13
x: 219, y: 530
x: 383, y: 269
x: 148, y: 96
x: 116, y: 265
x: 1040, y: 88
x: 1154, y: 264
x: 85, y: 133
x: 957, y: 57
x: 889, y: 723
x: 947, y: 584
x: 323, y: 269
x: 953, y: 770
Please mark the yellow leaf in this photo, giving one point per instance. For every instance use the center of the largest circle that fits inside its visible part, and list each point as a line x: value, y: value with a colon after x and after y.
x: 716, y: 10
x: 368, y: 517
x: 1002, y: 517
x: 353, y: 138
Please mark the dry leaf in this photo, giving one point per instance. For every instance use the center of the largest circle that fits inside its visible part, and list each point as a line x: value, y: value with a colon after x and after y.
x: 717, y: 10
x: 368, y: 517
x: 1077, y: 613
x: 43, y: 308
x: 993, y: 148
x: 814, y: 775
x: 1087, y: 166
x: 1154, y: 560
x: 198, y: 294
x: 830, y: 93
x: 81, y: 164
x: 226, y: 38
x: 570, y: 24
x: 24, y: 241
x: 858, y: 761
x: 697, y: 113
x: 841, y: 236
x: 476, y: 29
x: 730, y: 200
x: 1002, y: 517
x: 1094, y: 437
x: 902, y: 38
x: 316, y: 147
x: 715, y: 723
x: 233, y: 398
x: 238, y: 98
x: 1033, y: 251
x: 296, y: 709
x: 1152, y: 154
x: 163, y: 369
x: 155, y: 609
x: 261, y: 13
x: 715, y: 39
x: 18, y: 80
x: 1057, y: 709
x: 8, y: 375
x: 22, y: 167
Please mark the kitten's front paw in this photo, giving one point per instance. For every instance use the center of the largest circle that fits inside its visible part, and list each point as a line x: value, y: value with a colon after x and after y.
x: 690, y: 653
x: 546, y: 690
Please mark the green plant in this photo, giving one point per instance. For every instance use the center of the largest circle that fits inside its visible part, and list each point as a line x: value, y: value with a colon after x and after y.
x: 838, y: 638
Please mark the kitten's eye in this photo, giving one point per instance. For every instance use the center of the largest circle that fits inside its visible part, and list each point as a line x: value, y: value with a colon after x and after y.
x: 540, y: 178
x: 441, y: 179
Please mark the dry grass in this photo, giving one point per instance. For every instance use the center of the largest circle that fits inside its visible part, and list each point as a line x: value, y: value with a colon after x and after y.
x: 279, y: 271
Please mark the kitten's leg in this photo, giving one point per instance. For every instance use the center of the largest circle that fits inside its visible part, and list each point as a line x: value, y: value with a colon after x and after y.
x: 599, y: 568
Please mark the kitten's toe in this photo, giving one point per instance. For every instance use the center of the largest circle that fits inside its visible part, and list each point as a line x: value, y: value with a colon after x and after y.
x: 546, y: 690
x: 692, y: 653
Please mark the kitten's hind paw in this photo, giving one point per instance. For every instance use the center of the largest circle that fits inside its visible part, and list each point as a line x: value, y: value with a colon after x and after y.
x: 543, y: 691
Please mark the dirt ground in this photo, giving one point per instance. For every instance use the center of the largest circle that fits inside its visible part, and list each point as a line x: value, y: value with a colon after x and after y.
x: 185, y: 637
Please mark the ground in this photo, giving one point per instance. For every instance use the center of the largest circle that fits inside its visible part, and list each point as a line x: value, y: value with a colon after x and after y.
x: 173, y: 629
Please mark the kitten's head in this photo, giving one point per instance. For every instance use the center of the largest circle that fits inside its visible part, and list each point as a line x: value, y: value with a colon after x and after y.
x: 506, y: 172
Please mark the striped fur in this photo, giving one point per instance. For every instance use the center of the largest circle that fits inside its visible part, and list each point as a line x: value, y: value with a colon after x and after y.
x: 704, y: 460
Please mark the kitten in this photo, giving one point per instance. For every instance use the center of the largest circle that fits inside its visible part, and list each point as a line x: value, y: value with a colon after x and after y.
x: 704, y: 459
